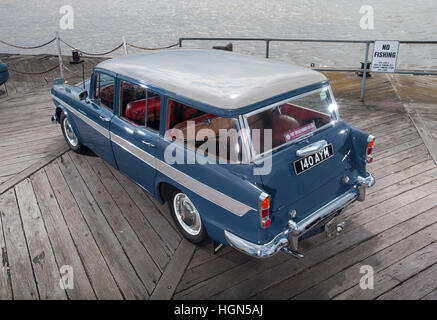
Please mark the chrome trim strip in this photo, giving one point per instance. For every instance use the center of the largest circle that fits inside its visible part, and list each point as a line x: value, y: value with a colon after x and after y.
x: 134, y: 150
x: 257, y: 250
x: 255, y: 157
x: 236, y: 207
x: 312, y: 220
x: 93, y: 124
x: 368, y: 181
x: 312, y: 148
x: 289, y: 237
x: 211, y: 194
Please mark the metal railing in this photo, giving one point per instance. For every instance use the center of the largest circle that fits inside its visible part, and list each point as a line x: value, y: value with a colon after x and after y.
x: 366, y: 53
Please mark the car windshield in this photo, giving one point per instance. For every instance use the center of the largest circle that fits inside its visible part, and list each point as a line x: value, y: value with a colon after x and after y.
x: 283, y: 123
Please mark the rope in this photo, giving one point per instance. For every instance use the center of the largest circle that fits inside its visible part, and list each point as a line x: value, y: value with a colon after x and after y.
x: 21, y: 47
x: 33, y: 73
x: 143, y: 48
x: 93, y: 54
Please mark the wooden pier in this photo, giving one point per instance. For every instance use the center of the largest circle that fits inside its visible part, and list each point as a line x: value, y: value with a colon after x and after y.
x: 61, y: 209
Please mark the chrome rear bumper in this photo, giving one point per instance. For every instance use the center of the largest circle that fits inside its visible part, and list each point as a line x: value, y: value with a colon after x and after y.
x: 289, y: 238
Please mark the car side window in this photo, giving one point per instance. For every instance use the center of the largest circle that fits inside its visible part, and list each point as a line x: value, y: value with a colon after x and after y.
x: 104, y: 90
x: 220, y: 131
x: 136, y: 102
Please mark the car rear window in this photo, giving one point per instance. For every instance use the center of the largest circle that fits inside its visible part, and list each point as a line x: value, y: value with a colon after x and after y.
x: 289, y: 121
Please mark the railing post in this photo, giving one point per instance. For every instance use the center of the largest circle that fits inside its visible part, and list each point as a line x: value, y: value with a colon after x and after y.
x: 180, y: 42
x: 267, y: 48
x: 58, y: 42
x: 124, y: 46
x: 363, y: 83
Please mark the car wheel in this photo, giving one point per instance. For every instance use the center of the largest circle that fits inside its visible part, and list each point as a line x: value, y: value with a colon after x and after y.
x: 69, y: 135
x: 187, y: 218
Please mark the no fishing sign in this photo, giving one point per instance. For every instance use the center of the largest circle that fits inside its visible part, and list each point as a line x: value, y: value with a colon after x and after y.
x: 385, y: 56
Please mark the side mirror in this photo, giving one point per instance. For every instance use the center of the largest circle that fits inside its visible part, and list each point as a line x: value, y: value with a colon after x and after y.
x: 83, y: 95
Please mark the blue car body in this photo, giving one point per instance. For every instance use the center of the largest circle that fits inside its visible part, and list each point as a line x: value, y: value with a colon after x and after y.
x: 4, y: 74
x: 227, y: 196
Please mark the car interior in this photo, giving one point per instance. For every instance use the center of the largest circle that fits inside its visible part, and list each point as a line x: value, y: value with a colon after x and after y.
x: 287, y: 122
x: 179, y: 117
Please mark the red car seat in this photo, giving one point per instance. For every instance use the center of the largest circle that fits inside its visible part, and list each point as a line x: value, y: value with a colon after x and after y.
x: 136, y: 110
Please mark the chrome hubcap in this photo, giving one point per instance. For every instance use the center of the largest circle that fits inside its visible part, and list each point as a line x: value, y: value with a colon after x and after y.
x: 69, y: 133
x: 187, y: 214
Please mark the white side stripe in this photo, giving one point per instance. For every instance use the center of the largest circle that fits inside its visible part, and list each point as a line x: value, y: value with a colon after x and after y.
x: 83, y: 117
x: 236, y: 207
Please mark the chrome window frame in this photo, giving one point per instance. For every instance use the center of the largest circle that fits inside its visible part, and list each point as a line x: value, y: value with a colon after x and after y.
x: 245, y: 156
x: 246, y: 131
x: 120, y: 111
x: 98, y: 101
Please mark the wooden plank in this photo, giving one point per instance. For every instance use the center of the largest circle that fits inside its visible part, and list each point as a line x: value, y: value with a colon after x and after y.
x: 331, y: 286
x: 143, y: 264
x: 60, y: 238
x: 258, y: 275
x: 402, y: 175
x: 280, y: 279
x: 384, y: 170
x: 31, y: 169
x: 422, y: 193
x: 420, y: 284
x: 204, y: 254
x: 20, y: 266
x: 96, y: 268
x: 430, y: 296
x: 158, y: 250
x: 215, y: 266
x: 423, y: 129
x: 397, y: 148
x: 44, y: 263
x: 172, y: 275
x: 394, y: 190
x: 115, y: 257
x: 396, y: 274
x: 5, y: 280
x: 159, y: 223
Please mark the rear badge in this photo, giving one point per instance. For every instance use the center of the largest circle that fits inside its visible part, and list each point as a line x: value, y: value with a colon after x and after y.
x: 312, y: 160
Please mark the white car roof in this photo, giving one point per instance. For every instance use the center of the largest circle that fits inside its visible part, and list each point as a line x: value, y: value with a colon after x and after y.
x: 217, y: 78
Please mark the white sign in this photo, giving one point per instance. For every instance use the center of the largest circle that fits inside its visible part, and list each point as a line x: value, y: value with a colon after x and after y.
x: 385, y: 56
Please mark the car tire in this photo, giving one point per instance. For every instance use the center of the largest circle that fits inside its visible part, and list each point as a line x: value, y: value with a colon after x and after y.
x: 69, y: 135
x: 187, y: 218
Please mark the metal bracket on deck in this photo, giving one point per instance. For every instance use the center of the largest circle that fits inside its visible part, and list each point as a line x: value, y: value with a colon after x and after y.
x: 216, y: 246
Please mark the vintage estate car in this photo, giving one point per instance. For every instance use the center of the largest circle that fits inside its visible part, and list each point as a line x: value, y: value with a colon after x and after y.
x: 4, y: 74
x: 249, y: 151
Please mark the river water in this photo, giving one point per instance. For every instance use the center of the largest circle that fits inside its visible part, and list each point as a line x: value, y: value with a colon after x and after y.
x: 100, y: 24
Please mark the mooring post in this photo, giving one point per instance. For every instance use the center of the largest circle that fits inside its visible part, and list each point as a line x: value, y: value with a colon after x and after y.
x: 124, y: 46
x: 58, y: 42
x: 363, y: 83
x: 267, y: 48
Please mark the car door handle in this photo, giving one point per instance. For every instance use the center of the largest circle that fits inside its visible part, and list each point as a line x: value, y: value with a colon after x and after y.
x: 312, y: 148
x: 81, y: 111
x: 105, y: 119
x: 147, y: 143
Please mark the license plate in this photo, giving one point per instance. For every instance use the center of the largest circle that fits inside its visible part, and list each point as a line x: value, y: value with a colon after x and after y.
x: 312, y: 160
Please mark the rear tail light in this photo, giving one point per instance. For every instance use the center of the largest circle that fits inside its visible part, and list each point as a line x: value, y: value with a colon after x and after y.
x: 371, y: 141
x: 264, y: 210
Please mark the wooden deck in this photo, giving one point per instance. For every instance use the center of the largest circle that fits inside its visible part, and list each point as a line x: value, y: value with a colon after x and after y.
x: 28, y: 141
x: 76, y: 210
